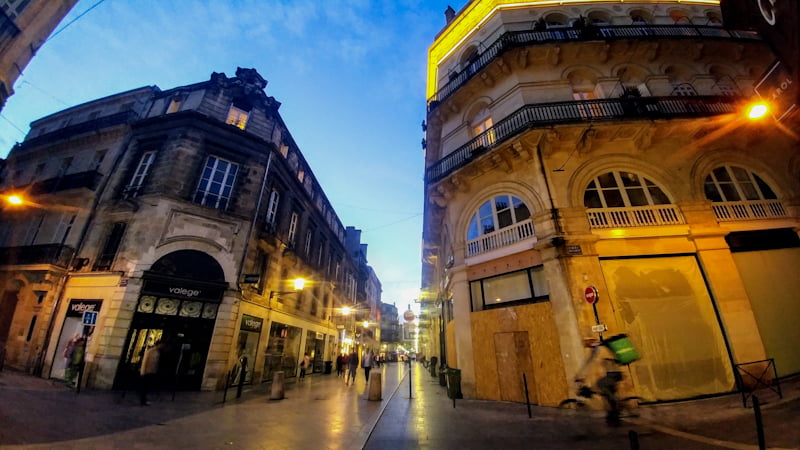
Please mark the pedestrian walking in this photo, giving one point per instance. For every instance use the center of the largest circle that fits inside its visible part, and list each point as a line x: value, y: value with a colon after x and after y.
x: 352, y: 364
x: 149, y: 371
x: 73, y: 356
x: 339, y: 365
x: 304, y: 366
x: 366, y: 363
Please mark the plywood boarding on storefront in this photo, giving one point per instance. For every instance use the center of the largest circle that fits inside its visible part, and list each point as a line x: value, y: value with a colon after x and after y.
x: 545, y: 373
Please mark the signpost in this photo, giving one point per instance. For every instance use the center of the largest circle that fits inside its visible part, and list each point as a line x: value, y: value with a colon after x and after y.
x: 591, y: 296
x: 89, y: 320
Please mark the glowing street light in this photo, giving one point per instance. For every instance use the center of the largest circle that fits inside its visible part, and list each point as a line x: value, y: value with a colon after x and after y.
x: 757, y: 111
x: 14, y: 199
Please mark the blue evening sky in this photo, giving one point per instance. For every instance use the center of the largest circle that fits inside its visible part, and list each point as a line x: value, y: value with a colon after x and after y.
x: 350, y: 75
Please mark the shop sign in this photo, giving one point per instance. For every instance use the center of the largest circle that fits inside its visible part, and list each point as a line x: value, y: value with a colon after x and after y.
x: 90, y: 318
x: 78, y: 307
x: 182, y: 291
x: 251, y: 323
x: 251, y: 278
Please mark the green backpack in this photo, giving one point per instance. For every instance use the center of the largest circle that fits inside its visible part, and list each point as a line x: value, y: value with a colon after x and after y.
x: 623, y: 348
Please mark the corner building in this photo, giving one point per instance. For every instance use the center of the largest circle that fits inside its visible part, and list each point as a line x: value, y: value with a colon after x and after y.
x: 602, y: 144
x: 179, y: 215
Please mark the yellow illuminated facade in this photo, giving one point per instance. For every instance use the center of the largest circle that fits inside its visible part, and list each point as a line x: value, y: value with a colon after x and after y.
x: 573, y: 145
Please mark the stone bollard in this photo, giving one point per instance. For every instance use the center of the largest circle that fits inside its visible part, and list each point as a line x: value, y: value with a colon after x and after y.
x: 375, y: 389
x: 277, y: 387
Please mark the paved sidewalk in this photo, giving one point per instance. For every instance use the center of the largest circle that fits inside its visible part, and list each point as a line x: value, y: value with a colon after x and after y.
x: 429, y: 421
x: 321, y: 412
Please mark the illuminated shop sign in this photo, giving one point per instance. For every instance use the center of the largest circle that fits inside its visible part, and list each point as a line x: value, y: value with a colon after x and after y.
x: 250, y: 323
x: 183, y: 290
x: 78, y: 307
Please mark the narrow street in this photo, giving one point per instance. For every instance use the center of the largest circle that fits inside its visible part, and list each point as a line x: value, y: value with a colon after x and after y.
x: 323, y: 412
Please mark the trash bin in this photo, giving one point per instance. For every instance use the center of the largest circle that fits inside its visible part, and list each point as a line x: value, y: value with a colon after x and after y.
x: 454, y: 383
x: 434, y: 361
x: 328, y: 365
x: 443, y: 376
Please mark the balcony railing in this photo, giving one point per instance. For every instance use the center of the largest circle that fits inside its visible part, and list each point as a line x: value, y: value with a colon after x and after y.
x: 514, y: 39
x: 81, y: 180
x: 547, y: 114
x: 503, y: 237
x: 55, y: 254
x: 749, y: 210
x: 638, y: 216
x: 80, y: 128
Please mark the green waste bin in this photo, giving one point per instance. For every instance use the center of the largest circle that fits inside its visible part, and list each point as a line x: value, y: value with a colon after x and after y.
x: 623, y: 349
x: 454, y: 383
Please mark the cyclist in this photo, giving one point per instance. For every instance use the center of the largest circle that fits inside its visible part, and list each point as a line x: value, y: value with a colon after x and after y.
x: 602, y: 368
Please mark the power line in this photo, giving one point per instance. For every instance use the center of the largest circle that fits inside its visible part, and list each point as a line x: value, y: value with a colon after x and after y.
x: 392, y: 223
x: 73, y: 20
x: 374, y: 210
x: 12, y: 124
x: 45, y: 92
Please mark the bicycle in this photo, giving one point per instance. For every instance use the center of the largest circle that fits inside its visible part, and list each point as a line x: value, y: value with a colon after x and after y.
x: 585, y: 400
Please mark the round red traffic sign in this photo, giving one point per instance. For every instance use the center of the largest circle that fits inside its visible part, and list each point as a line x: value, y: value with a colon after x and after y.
x: 409, y: 316
x: 591, y: 294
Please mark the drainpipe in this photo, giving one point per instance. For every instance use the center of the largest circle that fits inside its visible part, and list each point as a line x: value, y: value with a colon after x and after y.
x: 253, y: 222
x: 553, y: 209
x: 39, y: 366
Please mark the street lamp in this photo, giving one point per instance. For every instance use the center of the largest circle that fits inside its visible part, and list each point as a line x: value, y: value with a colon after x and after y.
x: 757, y: 111
x: 297, y: 283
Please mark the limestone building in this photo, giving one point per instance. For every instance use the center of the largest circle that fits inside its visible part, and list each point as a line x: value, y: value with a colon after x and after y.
x: 24, y: 27
x: 600, y: 146
x: 180, y: 215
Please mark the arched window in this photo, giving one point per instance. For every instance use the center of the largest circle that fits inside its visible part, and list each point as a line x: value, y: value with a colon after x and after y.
x: 735, y: 184
x: 495, y: 214
x: 623, y: 189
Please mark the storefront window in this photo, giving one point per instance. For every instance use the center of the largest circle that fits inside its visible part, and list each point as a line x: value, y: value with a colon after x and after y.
x: 524, y: 286
x: 283, y: 351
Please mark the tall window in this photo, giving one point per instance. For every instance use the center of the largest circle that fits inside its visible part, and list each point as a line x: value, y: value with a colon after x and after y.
x: 623, y: 189
x: 495, y: 214
x: 734, y: 184
x: 109, y: 252
x: 307, y: 244
x: 481, y: 122
x: 237, y: 117
x: 142, y: 169
x: 216, y: 183
x: 272, y: 208
x: 292, y: 229
x: 175, y: 104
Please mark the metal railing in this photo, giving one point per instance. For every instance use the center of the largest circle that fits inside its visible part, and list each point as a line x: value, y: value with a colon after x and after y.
x: 749, y: 210
x: 55, y: 254
x: 638, y: 216
x: 503, y: 237
x: 546, y: 114
x: 514, y: 39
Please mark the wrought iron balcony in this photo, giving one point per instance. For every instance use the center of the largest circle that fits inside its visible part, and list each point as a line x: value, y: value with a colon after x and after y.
x: 55, y: 254
x: 80, y: 128
x: 81, y: 180
x: 515, y: 39
x: 546, y: 114
x: 8, y: 30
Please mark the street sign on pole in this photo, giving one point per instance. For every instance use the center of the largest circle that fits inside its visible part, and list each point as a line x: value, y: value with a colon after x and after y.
x: 591, y: 294
x: 90, y: 318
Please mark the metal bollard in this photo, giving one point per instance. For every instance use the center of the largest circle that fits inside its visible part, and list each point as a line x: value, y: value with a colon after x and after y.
x: 278, y: 390
x: 762, y: 442
x: 242, y: 375
x: 633, y: 437
x: 375, y: 390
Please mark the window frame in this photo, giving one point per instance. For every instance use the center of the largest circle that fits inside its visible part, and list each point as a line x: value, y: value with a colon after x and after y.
x: 754, y: 179
x: 140, y: 174
x: 204, y: 185
x: 237, y: 117
x: 480, y: 304
x: 272, y: 208
x: 292, y: 234
x: 477, y: 218
x: 622, y: 189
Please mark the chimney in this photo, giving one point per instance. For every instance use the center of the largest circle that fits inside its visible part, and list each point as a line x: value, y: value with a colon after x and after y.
x: 449, y: 14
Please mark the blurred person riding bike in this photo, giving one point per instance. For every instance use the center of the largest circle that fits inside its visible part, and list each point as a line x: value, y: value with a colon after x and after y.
x: 602, y: 370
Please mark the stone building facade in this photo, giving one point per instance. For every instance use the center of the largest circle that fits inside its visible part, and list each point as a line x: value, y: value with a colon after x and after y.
x: 24, y: 27
x: 179, y: 215
x: 601, y: 147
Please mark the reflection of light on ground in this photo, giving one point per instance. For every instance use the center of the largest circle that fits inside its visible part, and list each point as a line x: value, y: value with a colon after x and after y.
x: 422, y: 427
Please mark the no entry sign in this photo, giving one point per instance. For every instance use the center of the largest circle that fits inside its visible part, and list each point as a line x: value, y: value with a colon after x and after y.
x: 591, y: 294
